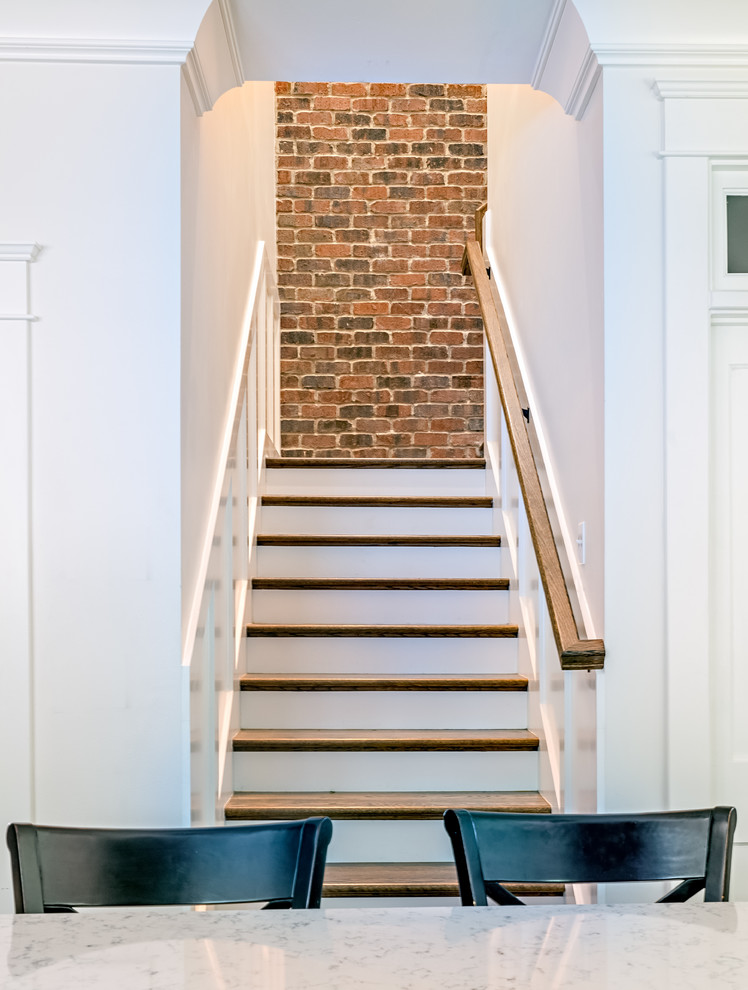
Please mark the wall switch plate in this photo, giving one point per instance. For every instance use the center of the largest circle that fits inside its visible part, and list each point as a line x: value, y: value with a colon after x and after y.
x: 582, y: 543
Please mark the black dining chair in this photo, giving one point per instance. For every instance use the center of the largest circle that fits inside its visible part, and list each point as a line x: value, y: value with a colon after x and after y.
x: 492, y: 848
x: 59, y: 869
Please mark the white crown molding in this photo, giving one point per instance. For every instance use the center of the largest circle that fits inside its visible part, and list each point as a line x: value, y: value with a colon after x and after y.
x: 19, y: 252
x: 694, y: 89
x: 93, y: 50
x: 546, y: 45
x: 228, y: 25
x: 197, y: 83
x: 584, y: 85
x: 688, y: 56
x: 728, y: 156
x: 733, y: 316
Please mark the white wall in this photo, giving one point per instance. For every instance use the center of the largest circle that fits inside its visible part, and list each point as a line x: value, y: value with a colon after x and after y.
x: 146, y: 19
x: 228, y: 204
x: 90, y: 171
x: 642, y: 22
x: 546, y: 230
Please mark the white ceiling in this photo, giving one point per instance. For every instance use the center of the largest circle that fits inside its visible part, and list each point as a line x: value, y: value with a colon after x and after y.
x: 391, y: 40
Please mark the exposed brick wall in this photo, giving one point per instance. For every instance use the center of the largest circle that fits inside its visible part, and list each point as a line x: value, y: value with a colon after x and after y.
x: 382, y: 341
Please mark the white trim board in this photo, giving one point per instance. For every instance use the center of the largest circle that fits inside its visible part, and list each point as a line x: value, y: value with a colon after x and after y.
x: 546, y: 45
x: 232, y: 41
x: 197, y: 83
x: 19, y: 252
x: 688, y: 56
x: 701, y: 89
x: 94, y: 50
x: 584, y: 86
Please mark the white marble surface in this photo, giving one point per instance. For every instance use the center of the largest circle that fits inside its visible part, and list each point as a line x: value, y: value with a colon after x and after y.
x: 679, y: 946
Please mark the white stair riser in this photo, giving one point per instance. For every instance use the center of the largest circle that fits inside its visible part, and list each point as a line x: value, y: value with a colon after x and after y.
x: 346, y: 655
x: 386, y: 841
x: 388, y: 607
x: 351, y: 520
x: 383, y: 771
x: 379, y: 562
x: 374, y: 481
x: 384, y: 709
x: 389, y: 841
x: 338, y: 903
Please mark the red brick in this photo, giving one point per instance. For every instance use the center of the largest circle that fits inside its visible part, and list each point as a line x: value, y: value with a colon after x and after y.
x: 389, y: 206
x: 314, y: 117
x: 308, y: 88
x: 408, y: 134
x: 370, y: 308
x: 398, y: 105
x: 444, y: 192
x: 332, y: 103
x: 329, y: 133
x: 443, y: 134
x: 388, y: 89
x: 466, y: 89
x: 348, y: 89
x: 393, y: 322
x: 370, y: 105
x: 333, y: 251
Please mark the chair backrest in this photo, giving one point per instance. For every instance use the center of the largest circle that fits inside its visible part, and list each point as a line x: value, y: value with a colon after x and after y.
x: 63, y: 868
x: 492, y: 848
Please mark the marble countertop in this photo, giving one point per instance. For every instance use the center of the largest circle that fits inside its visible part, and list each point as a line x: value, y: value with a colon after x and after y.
x: 681, y: 946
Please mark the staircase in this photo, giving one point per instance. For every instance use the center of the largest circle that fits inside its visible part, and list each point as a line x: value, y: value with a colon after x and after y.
x: 382, y: 683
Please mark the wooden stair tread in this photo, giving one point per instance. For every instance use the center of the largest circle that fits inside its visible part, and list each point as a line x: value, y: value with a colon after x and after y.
x: 383, y: 740
x: 474, y: 463
x: 410, y: 880
x: 408, y: 805
x: 380, y: 584
x: 381, y: 682
x: 385, y: 540
x: 383, y: 501
x: 384, y: 631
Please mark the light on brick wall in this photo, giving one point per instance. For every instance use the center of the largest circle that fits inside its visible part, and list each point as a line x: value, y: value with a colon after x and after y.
x: 381, y: 335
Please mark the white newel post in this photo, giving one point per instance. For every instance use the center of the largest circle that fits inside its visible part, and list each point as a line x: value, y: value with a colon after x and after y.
x: 16, y: 644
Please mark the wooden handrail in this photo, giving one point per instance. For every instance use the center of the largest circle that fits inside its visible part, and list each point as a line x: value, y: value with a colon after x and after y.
x: 574, y: 651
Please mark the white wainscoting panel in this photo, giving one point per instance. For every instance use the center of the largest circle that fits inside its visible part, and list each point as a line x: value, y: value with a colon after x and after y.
x: 16, y: 640
x: 729, y: 564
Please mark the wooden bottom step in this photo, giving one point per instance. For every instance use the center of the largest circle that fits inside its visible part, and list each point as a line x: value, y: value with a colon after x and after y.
x: 410, y: 805
x: 411, y: 880
x: 381, y: 501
